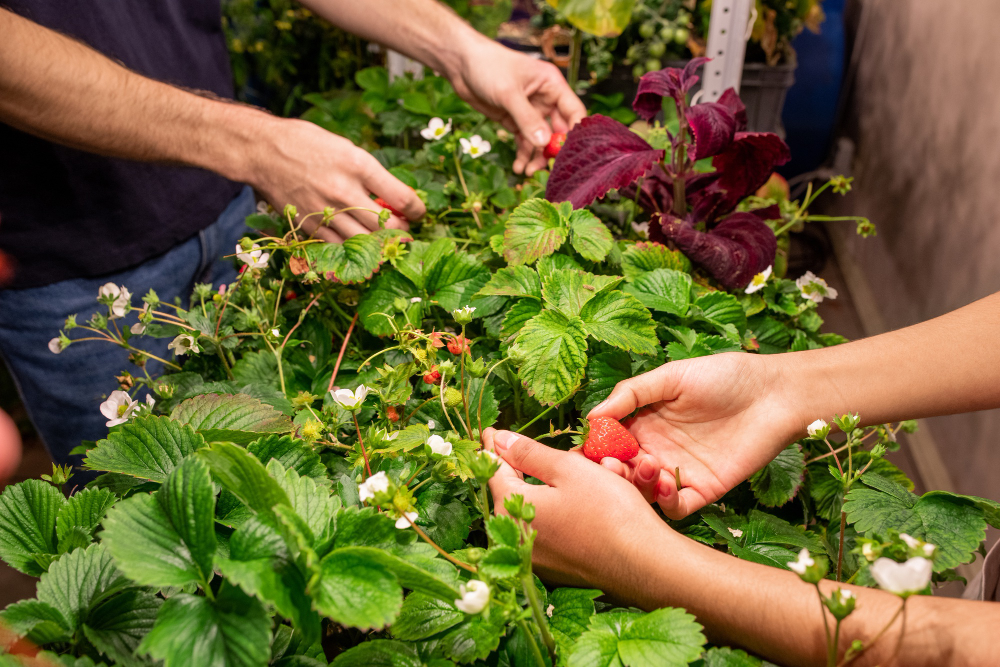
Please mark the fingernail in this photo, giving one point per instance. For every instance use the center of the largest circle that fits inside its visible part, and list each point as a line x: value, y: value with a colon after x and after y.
x: 646, y: 470
x: 539, y: 137
x: 598, y: 406
x: 503, y: 439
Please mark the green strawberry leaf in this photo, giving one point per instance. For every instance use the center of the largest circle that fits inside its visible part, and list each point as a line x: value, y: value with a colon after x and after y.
x: 567, y: 290
x: 572, y: 609
x: 353, y: 261
x: 117, y: 625
x: 28, y: 513
x: 84, y: 511
x: 720, y: 309
x: 260, y: 564
x: 377, y: 301
x: 778, y: 482
x: 455, y: 279
x: 355, y: 591
x: 517, y: 316
x: 39, y: 621
x: 827, y: 492
x: 484, y: 409
x: 246, y: 478
x: 589, y: 236
x: 727, y: 657
x: 534, y: 229
x: 952, y: 523
x: 618, y: 319
x: 421, y: 257
x: 501, y: 562
x: 292, y: 453
x: 312, y: 502
x: 473, y: 639
x: 146, y: 447
x: 663, y: 638
x: 502, y: 530
x: 604, y: 371
x: 516, y: 281
x: 761, y: 537
x: 384, y: 653
x: 546, y: 265
x: 551, y: 354
x: 233, y: 630
x: 424, y: 615
x: 230, y: 417
x: 665, y: 290
x: 168, y: 538
x: 444, y: 516
x: 80, y: 579
x: 644, y: 257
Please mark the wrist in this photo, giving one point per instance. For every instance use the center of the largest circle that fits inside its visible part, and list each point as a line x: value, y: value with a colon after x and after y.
x: 806, y: 389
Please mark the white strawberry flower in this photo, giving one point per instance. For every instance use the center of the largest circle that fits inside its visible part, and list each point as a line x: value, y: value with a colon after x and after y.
x: 803, y: 563
x: 120, y: 298
x: 439, y: 445
x: 736, y: 532
x: 118, y: 408
x: 436, y: 129
x: 431, y: 424
x: 351, y: 400
x: 475, y: 147
x: 377, y: 483
x: 641, y: 228
x: 903, y: 579
x: 138, y: 328
x: 57, y: 345
x: 392, y: 436
x: 475, y: 596
x: 255, y: 258
x: 818, y: 429
x: 918, y: 545
x: 415, y: 299
x: 814, y: 288
x: 276, y: 332
x: 759, y: 280
x: 183, y: 344
x: 407, y: 520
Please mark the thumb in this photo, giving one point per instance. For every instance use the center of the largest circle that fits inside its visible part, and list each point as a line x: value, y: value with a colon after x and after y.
x: 532, y: 457
x: 530, y: 123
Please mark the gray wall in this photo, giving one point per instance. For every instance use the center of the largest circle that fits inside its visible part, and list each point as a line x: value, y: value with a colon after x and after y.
x: 925, y: 114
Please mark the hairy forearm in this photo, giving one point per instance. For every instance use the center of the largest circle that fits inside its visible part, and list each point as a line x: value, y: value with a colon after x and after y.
x: 773, y: 613
x: 425, y: 30
x: 946, y: 365
x: 61, y: 90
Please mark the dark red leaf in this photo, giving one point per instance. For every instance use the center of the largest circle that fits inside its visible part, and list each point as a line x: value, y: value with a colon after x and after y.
x: 732, y: 101
x: 600, y: 154
x: 669, y: 82
x: 737, y: 249
x: 743, y: 168
x: 712, y: 128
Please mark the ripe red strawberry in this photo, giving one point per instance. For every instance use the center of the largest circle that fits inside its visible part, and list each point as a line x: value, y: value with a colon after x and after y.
x: 432, y: 376
x: 392, y: 414
x: 384, y: 204
x: 607, y: 437
x: 458, y: 344
x: 290, y: 295
x: 555, y: 144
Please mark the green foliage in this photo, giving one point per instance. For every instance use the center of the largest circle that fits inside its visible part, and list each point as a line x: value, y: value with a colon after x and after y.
x: 662, y: 638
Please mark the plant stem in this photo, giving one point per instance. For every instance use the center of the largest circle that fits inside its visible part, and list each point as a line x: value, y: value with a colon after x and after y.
x: 415, y: 411
x: 832, y: 653
x: 575, y: 56
x: 465, y: 400
x: 482, y: 390
x: 465, y: 188
x: 535, y: 651
x: 855, y: 656
x: 340, y: 356
x: 835, y: 458
x: 528, y: 583
x: 225, y: 364
x: 540, y: 415
x: 361, y: 442
x: 826, y: 623
x: 448, y: 556
x: 840, y: 554
x: 444, y: 408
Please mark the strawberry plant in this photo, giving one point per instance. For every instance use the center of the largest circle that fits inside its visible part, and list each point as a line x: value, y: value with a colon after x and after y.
x: 304, y: 481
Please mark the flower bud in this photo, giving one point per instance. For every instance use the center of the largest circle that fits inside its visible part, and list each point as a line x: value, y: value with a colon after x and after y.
x: 840, y: 603
x: 810, y: 570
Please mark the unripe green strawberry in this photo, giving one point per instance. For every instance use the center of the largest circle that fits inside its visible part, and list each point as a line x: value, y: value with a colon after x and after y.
x: 607, y: 437
x: 452, y: 397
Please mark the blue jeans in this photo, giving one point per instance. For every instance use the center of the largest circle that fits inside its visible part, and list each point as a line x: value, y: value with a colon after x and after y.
x: 62, y: 392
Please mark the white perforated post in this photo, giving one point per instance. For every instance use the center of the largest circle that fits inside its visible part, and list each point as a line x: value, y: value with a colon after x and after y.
x: 727, y: 45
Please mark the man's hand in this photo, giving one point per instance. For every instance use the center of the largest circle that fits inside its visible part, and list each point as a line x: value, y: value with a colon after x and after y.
x: 717, y: 419
x: 302, y: 164
x: 589, y: 520
x: 521, y: 93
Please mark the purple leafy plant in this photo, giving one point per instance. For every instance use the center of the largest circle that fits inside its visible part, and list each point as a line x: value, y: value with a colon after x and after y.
x: 693, y: 210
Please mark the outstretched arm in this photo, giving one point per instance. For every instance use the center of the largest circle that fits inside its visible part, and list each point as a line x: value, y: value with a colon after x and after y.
x: 612, y: 540
x: 64, y: 91
x: 510, y: 87
x: 719, y: 419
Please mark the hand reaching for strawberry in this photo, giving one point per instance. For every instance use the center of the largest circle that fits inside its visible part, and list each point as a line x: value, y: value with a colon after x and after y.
x: 716, y: 419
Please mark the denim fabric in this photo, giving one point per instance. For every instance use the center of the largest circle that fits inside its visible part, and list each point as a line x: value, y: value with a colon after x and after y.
x: 62, y: 392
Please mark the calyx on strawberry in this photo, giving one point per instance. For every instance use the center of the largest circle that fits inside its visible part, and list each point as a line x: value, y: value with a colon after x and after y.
x: 555, y: 144
x: 458, y: 344
x: 607, y: 437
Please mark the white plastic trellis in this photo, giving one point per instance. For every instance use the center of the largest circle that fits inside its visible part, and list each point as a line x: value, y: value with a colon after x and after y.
x: 727, y: 45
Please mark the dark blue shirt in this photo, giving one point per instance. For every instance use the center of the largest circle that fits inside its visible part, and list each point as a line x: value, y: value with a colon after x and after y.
x: 65, y: 213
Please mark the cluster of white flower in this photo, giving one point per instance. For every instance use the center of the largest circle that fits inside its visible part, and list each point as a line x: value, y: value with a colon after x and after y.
x: 439, y: 445
x: 902, y: 578
x: 377, y: 483
x: 436, y: 129
x: 120, y: 407
x: 255, y: 258
x: 475, y: 596
x: 475, y: 147
x: 759, y: 280
x: 351, y: 400
x: 120, y: 298
x: 184, y: 344
x: 814, y: 288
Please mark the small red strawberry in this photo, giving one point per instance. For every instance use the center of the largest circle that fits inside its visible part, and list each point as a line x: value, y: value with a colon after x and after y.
x: 392, y: 414
x: 290, y: 295
x: 555, y: 145
x: 433, y: 376
x: 458, y: 345
x: 607, y: 437
x: 384, y: 204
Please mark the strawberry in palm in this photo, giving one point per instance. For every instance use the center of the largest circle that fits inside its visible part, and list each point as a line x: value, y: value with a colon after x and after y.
x: 607, y: 437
